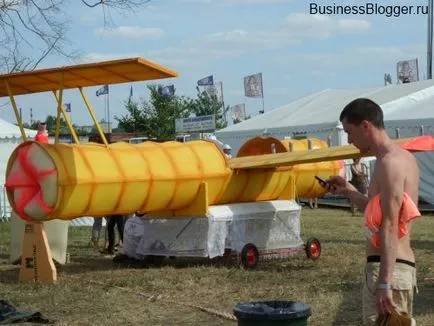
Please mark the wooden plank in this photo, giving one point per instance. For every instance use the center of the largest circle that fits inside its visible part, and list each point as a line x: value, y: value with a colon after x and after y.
x: 301, y: 157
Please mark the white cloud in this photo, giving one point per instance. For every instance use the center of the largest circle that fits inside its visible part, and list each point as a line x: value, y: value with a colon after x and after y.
x: 164, y: 57
x: 321, y: 26
x: 97, y: 57
x: 279, y: 91
x: 353, y: 25
x: 236, y: 92
x: 297, y: 28
x: 241, y: 41
x: 322, y: 73
x: 88, y: 18
x: 238, y: 42
x: 130, y: 32
x: 378, y: 59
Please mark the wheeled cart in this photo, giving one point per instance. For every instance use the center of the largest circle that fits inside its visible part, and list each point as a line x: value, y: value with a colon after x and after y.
x: 249, y: 231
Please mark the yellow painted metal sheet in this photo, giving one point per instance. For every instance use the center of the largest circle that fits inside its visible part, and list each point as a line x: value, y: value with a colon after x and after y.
x: 64, y: 181
x: 84, y: 75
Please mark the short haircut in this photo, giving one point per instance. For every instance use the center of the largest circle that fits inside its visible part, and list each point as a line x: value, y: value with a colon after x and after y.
x: 363, y: 109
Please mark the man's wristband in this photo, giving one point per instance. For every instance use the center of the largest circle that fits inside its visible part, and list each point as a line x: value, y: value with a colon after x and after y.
x: 383, y: 286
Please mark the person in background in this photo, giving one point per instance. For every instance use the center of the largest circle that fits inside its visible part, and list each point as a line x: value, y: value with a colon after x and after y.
x: 42, y: 135
x: 227, y: 150
x: 112, y: 221
x: 359, y: 180
x: 96, y: 232
x: 313, y: 202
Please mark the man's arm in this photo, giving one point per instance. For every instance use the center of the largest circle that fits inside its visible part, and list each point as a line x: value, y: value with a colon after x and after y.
x: 357, y: 199
x: 391, y: 183
x: 338, y: 185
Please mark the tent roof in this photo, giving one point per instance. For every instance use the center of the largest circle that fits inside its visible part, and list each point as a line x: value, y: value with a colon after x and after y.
x: 9, y: 130
x: 323, y: 108
x: 83, y: 75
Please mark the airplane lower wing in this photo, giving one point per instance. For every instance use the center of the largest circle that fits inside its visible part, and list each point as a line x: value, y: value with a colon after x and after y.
x: 416, y: 144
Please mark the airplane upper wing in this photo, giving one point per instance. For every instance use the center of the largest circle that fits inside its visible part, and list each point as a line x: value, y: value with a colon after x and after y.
x: 416, y: 144
x: 83, y: 75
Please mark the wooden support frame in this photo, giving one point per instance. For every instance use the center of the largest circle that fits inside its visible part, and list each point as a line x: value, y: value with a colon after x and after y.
x: 65, y: 116
x: 36, y: 262
x: 17, y: 115
x: 92, y: 114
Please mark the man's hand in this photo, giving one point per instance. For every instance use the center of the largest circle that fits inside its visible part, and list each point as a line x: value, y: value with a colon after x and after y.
x: 384, y: 300
x: 338, y: 185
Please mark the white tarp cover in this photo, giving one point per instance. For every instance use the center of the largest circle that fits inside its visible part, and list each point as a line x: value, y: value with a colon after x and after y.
x: 269, y: 225
x: 133, y: 232
x: 83, y: 221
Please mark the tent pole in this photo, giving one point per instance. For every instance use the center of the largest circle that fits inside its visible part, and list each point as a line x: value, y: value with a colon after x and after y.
x: 430, y: 37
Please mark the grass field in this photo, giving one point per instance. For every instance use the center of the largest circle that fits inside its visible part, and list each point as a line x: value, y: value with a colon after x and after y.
x: 331, y: 285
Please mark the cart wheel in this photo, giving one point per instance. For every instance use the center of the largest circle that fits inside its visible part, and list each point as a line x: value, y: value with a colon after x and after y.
x: 313, y: 248
x: 249, y: 256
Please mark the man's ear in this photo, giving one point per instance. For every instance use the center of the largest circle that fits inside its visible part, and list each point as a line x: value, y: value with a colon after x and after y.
x: 365, y: 124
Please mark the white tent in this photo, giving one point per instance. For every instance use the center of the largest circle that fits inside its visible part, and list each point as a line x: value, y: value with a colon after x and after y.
x: 318, y: 114
x: 10, y: 138
x: 408, y: 111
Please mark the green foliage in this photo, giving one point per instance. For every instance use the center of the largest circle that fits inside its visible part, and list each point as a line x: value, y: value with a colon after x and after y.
x: 156, y: 117
x: 51, y: 126
x: 206, y: 105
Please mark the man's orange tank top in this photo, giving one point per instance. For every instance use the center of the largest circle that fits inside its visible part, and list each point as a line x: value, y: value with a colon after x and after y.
x: 374, y: 217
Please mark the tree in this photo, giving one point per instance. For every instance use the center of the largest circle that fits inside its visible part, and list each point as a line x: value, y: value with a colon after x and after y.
x: 40, y: 27
x: 236, y: 120
x: 206, y: 105
x: 155, y: 118
x: 51, y: 125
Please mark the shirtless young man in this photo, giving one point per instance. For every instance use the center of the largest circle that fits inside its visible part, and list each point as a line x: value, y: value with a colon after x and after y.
x: 389, y: 281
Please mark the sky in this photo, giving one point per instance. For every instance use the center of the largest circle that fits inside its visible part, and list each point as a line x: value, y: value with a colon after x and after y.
x: 298, y: 53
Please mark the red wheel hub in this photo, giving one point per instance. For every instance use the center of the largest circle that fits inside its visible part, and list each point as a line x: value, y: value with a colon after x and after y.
x: 315, y: 249
x: 251, y: 256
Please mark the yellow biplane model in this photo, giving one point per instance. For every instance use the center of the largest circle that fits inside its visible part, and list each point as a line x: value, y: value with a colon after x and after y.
x: 64, y: 181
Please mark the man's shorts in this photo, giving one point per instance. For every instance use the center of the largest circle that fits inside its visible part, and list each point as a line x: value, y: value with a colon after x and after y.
x: 404, y: 284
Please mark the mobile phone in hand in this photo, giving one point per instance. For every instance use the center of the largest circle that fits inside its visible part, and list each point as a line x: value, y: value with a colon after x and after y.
x: 321, y: 181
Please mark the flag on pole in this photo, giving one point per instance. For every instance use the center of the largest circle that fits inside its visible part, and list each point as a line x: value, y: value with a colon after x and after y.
x: 131, y: 95
x: 166, y: 90
x: 253, y: 85
x: 67, y: 107
x: 103, y: 90
x: 239, y: 112
x: 207, y: 81
x: 215, y: 91
x: 407, y: 71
